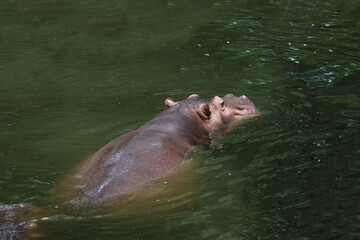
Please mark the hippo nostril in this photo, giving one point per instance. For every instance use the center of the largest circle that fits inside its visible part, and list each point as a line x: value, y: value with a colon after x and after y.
x: 243, y: 97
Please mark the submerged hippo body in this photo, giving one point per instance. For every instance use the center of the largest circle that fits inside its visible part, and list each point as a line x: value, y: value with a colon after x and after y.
x: 158, y: 147
x: 119, y: 168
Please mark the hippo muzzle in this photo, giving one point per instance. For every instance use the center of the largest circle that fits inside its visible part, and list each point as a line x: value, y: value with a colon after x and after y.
x: 243, y: 104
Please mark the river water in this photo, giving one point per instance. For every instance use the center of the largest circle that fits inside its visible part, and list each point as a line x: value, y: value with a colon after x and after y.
x: 75, y: 75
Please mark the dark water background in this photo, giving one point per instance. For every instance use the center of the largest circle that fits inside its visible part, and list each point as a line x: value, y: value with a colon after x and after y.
x: 76, y: 74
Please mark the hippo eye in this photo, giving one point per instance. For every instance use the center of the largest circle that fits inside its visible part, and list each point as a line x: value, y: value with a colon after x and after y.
x: 222, y: 104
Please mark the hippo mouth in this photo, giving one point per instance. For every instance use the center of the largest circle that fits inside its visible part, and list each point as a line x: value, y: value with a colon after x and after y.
x: 244, y: 110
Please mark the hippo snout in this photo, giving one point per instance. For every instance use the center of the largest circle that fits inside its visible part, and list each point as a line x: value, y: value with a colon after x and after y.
x: 244, y: 100
x: 243, y: 97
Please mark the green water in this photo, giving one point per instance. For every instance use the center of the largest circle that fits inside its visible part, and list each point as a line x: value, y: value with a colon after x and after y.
x: 76, y: 74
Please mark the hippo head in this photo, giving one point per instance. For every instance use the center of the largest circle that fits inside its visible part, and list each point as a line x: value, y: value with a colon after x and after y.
x: 218, y: 113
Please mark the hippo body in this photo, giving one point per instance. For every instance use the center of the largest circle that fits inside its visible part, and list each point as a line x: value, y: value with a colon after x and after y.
x: 158, y: 147
x: 125, y: 164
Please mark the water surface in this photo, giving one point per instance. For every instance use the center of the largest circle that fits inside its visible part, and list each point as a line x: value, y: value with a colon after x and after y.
x: 76, y: 75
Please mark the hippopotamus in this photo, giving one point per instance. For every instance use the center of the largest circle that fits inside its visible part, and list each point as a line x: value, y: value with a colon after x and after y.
x: 153, y: 151
x: 158, y: 147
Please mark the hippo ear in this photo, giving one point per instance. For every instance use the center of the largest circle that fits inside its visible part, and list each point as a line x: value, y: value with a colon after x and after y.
x: 169, y: 102
x: 204, y: 112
